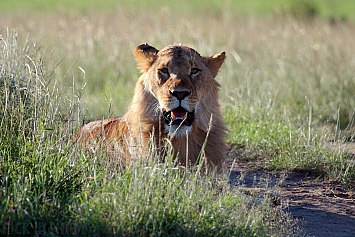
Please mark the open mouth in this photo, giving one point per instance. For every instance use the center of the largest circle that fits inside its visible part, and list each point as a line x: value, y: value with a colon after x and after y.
x: 178, y: 116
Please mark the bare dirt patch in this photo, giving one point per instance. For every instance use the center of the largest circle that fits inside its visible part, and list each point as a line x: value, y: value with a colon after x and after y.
x: 324, y: 208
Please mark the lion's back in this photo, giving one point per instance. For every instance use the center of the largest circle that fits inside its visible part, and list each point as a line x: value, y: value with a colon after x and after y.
x: 100, y: 129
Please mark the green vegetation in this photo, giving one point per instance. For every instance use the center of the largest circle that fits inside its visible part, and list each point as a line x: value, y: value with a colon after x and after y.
x: 287, y: 92
x: 342, y: 9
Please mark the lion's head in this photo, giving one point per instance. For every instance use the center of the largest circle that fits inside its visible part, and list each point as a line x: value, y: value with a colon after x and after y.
x: 176, y: 95
x: 182, y: 83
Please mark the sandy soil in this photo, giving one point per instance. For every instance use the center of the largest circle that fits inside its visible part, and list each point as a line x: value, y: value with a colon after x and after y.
x: 324, y: 208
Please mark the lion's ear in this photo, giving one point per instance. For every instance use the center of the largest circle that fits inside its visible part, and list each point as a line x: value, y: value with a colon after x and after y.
x: 145, y: 56
x: 215, y: 62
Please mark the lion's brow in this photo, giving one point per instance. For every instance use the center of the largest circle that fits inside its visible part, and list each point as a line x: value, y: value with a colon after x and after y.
x: 180, y: 51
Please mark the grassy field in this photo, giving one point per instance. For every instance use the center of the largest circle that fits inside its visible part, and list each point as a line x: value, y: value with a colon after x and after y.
x: 287, y: 91
x: 324, y: 8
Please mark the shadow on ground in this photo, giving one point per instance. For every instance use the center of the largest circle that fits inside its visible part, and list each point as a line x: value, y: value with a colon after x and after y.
x: 324, y: 208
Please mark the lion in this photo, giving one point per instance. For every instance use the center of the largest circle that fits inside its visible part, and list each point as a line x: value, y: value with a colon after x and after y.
x: 175, y: 100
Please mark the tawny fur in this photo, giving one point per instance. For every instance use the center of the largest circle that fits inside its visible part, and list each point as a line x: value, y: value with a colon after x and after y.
x: 129, y: 137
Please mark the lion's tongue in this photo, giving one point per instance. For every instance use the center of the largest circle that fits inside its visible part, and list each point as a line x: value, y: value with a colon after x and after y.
x: 178, y: 113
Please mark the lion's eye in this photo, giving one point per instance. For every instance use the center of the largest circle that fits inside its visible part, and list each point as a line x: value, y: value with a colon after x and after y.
x: 195, y: 71
x: 164, y: 71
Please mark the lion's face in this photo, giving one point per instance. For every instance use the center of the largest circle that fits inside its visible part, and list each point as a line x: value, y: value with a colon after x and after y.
x: 180, y: 80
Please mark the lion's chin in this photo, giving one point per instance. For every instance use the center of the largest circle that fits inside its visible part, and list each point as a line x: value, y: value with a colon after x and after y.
x: 178, y: 131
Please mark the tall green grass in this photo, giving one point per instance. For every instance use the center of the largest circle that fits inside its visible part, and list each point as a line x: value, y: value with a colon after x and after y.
x: 38, y: 175
x: 50, y: 187
x: 157, y: 200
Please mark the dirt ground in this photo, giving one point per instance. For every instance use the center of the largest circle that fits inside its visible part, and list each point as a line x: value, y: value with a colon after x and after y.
x: 324, y: 208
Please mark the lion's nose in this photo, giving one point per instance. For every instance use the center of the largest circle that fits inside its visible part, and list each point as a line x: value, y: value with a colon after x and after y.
x: 180, y: 95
